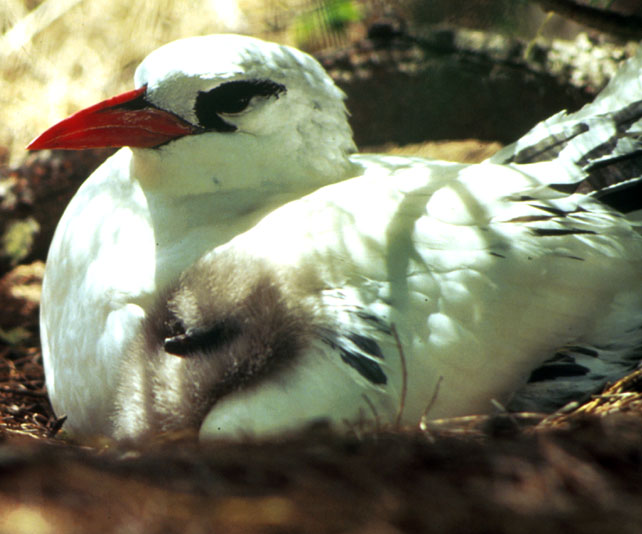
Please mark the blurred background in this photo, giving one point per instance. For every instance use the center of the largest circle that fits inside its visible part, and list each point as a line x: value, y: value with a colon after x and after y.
x: 57, y: 56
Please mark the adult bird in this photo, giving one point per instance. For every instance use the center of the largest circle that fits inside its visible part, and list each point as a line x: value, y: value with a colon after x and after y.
x: 239, y: 269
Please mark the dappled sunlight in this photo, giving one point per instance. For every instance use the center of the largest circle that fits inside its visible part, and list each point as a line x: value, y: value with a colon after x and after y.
x: 65, y: 55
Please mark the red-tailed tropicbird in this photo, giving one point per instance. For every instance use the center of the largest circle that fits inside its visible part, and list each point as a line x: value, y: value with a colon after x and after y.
x: 318, y: 267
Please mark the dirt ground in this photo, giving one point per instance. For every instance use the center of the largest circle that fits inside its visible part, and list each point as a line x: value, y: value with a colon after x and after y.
x: 575, y: 472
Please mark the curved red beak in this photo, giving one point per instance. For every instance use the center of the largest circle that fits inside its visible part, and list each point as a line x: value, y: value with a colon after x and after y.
x: 124, y: 120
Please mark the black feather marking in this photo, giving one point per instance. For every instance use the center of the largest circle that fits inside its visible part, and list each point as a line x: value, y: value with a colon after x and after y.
x: 560, y: 357
x: 496, y: 254
x: 551, y: 209
x: 231, y: 97
x: 604, y: 149
x: 530, y: 218
x: 367, y: 345
x: 375, y: 321
x: 584, y: 351
x: 557, y: 370
x: 622, y: 120
x: 616, y: 170
x: 568, y: 189
x: 627, y: 116
x: 552, y: 232
x: 609, y: 170
x: 366, y: 367
x: 549, y: 148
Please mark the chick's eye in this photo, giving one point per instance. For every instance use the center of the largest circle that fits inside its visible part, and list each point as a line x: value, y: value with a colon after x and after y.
x: 231, y: 97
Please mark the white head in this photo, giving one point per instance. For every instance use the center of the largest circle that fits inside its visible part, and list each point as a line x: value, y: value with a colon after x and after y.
x: 222, y: 112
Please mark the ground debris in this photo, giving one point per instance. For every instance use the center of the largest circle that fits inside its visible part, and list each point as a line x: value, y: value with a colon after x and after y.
x: 586, y: 480
x: 622, y: 397
x: 577, y: 471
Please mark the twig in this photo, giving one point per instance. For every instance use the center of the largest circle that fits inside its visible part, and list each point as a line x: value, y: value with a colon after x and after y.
x: 374, y: 411
x: 433, y: 399
x: 529, y: 47
x: 404, y: 376
x: 55, y: 427
x: 24, y: 392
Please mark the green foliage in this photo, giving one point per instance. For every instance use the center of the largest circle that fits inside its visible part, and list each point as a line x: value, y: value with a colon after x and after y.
x: 340, y: 13
x: 326, y: 21
x: 14, y: 336
x: 17, y: 241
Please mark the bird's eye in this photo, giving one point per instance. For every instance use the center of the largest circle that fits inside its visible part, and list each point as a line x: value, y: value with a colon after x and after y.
x: 230, y: 98
x: 205, y: 340
x: 235, y: 104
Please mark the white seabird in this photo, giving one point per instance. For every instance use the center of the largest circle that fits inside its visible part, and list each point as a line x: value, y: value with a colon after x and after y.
x: 240, y: 154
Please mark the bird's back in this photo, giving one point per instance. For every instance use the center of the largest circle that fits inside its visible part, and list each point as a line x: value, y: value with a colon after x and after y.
x: 484, y: 272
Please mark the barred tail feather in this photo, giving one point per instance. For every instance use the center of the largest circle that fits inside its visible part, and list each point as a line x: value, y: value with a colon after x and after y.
x: 601, y: 144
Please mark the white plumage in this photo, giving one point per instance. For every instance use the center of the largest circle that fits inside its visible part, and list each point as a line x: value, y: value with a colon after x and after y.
x: 484, y: 271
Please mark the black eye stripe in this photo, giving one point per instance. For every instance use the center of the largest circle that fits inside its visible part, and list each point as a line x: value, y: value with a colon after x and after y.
x: 231, y: 97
